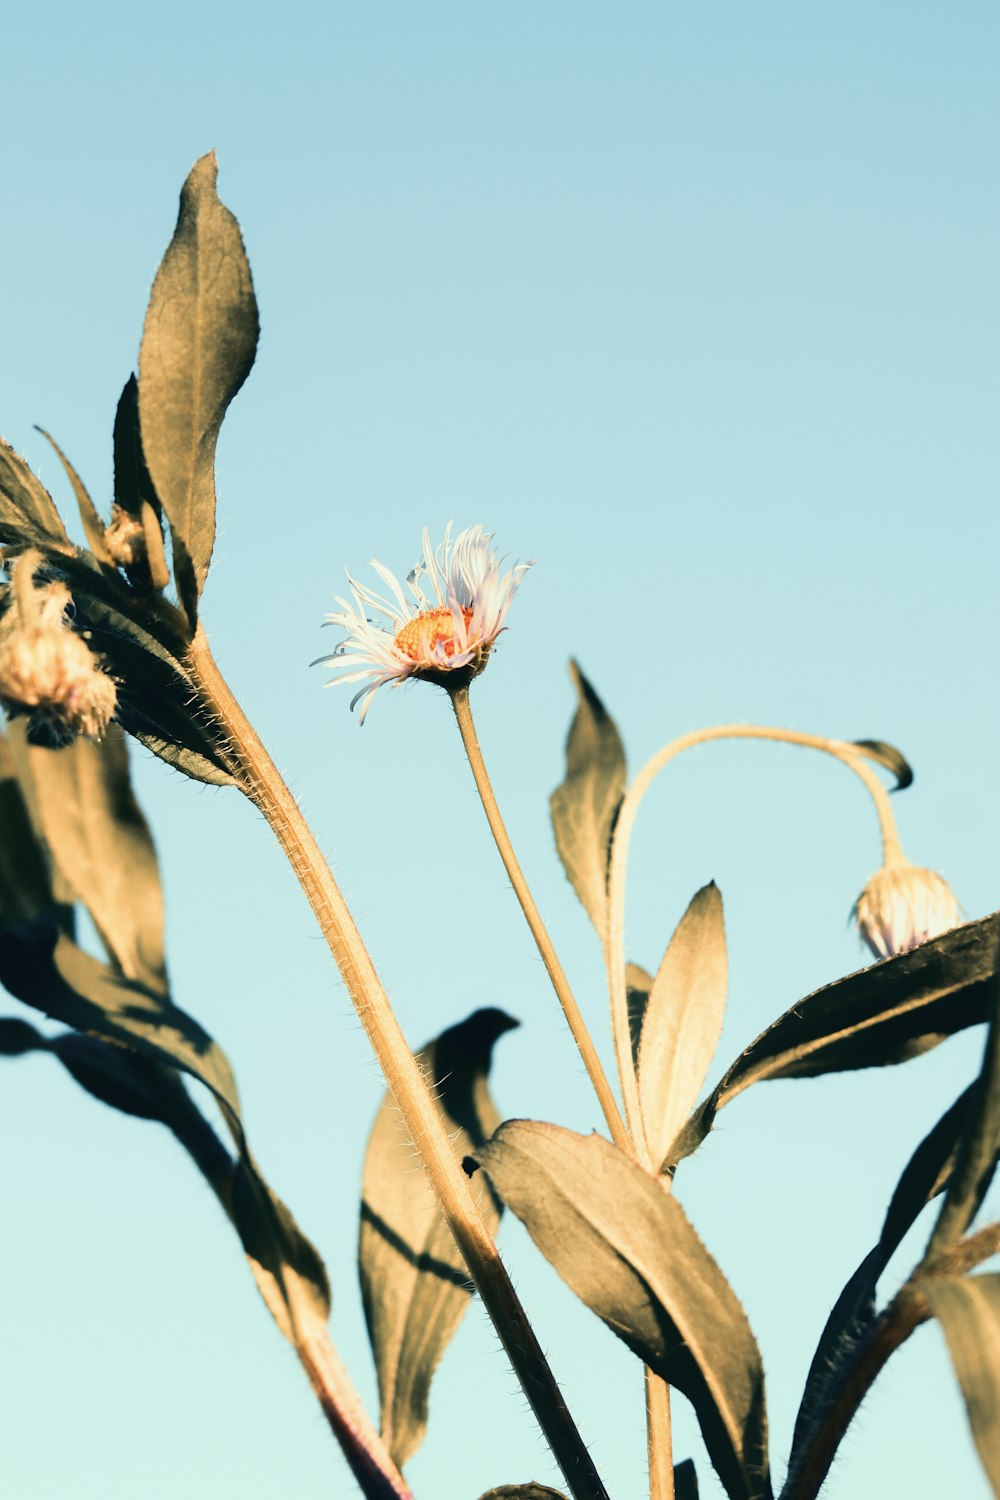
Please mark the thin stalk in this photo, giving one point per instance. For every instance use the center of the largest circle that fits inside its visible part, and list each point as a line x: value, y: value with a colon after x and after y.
x: 615, y: 945
x: 591, y: 1061
x: 659, y: 1442
x: 367, y: 1456
x: 259, y: 779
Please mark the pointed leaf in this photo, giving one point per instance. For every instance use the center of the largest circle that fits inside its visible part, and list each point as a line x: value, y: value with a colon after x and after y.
x: 198, y: 347
x: 25, y: 505
x: 853, y: 1315
x: 414, y: 1282
x: 93, y: 526
x: 892, y: 759
x: 968, y: 1309
x: 621, y: 1241
x: 683, y: 1020
x: 976, y: 1159
x: 100, y: 841
x: 585, y: 806
x: 885, y: 1014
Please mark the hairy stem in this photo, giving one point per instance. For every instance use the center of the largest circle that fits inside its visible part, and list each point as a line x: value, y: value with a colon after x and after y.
x: 615, y: 943
x: 260, y: 780
x: 659, y: 1442
x: 591, y: 1061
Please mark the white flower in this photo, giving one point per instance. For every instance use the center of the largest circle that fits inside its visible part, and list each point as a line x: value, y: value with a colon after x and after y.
x: 459, y: 604
x: 903, y: 906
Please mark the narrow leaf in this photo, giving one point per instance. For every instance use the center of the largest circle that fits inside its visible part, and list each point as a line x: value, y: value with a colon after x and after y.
x: 197, y: 349
x: 977, y: 1155
x: 638, y: 984
x: 685, y: 1481
x: 683, y: 1020
x: 101, y: 843
x: 93, y: 526
x: 414, y: 1282
x: 892, y: 759
x: 923, y: 1178
x: 134, y: 491
x: 585, y: 807
x: 622, y: 1242
x: 968, y: 1309
x: 885, y: 1014
x: 25, y: 505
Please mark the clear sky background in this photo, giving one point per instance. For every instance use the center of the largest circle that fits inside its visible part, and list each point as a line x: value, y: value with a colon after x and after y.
x: 695, y: 305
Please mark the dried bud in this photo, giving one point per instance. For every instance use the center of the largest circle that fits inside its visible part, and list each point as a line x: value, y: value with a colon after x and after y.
x: 903, y: 906
x: 45, y: 669
x: 124, y: 538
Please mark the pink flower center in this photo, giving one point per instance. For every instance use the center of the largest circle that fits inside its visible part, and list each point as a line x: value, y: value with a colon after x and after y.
x: 420, y: 637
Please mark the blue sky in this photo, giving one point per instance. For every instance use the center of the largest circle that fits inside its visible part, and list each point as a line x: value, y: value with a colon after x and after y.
x: 697, y: 307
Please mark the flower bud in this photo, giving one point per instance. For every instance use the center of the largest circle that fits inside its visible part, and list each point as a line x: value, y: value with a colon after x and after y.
x: 903, y: 906
x: 125, y: 538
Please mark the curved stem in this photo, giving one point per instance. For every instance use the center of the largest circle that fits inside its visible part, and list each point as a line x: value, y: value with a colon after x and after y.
x: 615, y: 941
x: 259, y: 779
x: 602, y: 1088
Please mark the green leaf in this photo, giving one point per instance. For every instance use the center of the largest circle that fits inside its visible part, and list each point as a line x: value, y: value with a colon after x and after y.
x: 968, y: 1309
x: 853, y: 1315
x: 198, y: 347
x: 977, y: 1155
x: 621, y: 1241
x: 26, y: 509
x: 414, y: 1281
x: 683, y: 1020
x: 585, y: 807
x: 523, y: 1492
x: 100, y: 841
x: 888, y: 756
x: 93, y: 526
x: 885, y: 1014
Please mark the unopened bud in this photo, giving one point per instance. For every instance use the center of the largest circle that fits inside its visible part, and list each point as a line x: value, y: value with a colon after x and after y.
x: 124, y: 538
x: 903, y: 906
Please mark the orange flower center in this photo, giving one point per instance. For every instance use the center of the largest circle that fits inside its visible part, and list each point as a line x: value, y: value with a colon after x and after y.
x: 420, y: 637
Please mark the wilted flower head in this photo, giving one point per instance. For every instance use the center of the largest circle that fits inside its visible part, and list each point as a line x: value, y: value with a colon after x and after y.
x: 459, y: 604
x: 903, y: 906
x: 45, y: 668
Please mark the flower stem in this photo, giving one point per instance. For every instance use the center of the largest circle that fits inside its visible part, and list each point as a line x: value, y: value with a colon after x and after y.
x: 842, y: 750
x: 591, y: 1061
x: 659, y: 1444
x: 259, y: 779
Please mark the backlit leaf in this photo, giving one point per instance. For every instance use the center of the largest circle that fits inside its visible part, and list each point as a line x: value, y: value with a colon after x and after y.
x: 414, y: 1282
x: 26, y: 508
x: 976, y: 1159
x: 968, y: 1309
x: 685, y: 1481
x: 198, y: 346
x: 585, y: 807
x: 523, y: 1492
x: 888, y: 1013
x: 93, y: 526
x: 683, y: 1020
x: 892, y: 759
x: 620, y: 1239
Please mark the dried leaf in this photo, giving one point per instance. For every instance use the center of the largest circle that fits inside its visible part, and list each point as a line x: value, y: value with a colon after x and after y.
x: 585, y: 807
x: 885, y: 1014
x: 414, y: 1281
x: 683, y: 1020
x: 26, y: 509
x: 523, y: 1492
x: 968, y: 1309
x: 892, y: 759
x: 623, y: 1243
x: 198, y: 347
x: 100, y: 841
x: 638, y: 983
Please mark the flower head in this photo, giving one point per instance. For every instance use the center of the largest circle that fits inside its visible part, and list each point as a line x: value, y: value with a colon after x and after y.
x: 444, y: 634
x: 903, y: 906
x: 46, y: 669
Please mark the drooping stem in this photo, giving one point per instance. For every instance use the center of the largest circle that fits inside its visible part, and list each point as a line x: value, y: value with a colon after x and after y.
x: 591, y: 1061
x: 659, y: 1443
x: 615, y: 944
x: 259, y: 779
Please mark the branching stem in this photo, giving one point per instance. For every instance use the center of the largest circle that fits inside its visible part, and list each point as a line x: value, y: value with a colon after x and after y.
x: 259, y: 779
